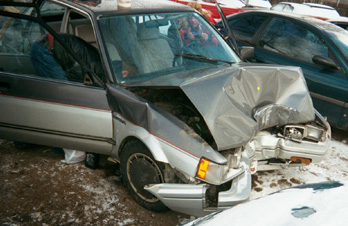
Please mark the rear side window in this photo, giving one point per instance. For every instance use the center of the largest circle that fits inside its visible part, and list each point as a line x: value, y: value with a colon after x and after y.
x: 245, y: 28
x: 27, y: 48
x: 16, y: 39
x: 292, y: 40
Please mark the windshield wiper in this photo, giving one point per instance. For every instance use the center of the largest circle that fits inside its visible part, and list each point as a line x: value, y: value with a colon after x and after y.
x: 203, y: 58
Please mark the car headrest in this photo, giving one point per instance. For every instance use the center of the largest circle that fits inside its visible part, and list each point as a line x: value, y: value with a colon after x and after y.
x: 146, y: 33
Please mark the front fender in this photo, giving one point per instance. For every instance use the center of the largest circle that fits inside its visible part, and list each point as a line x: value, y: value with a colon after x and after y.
x: 162, y: 149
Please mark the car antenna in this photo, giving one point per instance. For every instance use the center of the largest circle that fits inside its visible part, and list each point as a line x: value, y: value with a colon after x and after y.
x: 230, y: 36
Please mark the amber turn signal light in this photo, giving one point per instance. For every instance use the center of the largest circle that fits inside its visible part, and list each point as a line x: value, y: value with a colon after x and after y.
x: 202, y: 168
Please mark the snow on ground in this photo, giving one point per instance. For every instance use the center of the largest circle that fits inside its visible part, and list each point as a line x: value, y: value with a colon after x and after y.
x: 334, y: 167
x: 294, y: 206
x: 109, y: 203
x: 322, y: 205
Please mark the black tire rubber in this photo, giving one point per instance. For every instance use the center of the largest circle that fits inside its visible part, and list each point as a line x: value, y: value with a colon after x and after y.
x: 139, y: 168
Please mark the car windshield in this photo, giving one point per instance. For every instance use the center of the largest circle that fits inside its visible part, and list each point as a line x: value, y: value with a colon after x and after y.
x: 143, y: 47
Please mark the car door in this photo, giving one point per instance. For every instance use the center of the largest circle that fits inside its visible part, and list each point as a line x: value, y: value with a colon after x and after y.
x: 244, y: 28
x: 47, y: 110
x: 283, y: 42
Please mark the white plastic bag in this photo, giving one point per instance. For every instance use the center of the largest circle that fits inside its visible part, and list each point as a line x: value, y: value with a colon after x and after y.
x: 73, y: 156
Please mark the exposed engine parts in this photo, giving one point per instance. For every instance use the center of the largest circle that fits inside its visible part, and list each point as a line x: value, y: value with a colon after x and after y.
x: 176, y: 103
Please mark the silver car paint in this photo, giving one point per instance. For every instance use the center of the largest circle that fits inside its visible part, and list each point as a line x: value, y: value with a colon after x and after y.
x: 266, y: 145
x: 29, y: 116
x: 229, y: 97
x: 55, y: 113
x: 156, y: 121
x: 64, y: 118
x: 162, y: 150
x: 190, y: 198
x: 139, y: 118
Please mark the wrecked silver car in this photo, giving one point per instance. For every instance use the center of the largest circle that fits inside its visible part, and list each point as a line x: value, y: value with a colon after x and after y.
x: 154, y: 86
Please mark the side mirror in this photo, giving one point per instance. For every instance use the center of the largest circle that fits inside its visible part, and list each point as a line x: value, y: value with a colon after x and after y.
x: 324, y: 61
x: 246, y: 52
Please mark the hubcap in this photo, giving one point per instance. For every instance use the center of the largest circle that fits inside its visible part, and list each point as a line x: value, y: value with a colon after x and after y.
x: 141, y: 171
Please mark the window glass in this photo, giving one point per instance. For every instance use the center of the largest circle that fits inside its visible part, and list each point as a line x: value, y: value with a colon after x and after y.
x: 27, y: 48
x: 16, y: 40
x: 278, y: 7
x: 145, y: 47
x: 81, y: 27
x: 245, y: 28
x: 288, y: 9
x: 340, y: 39
x: 289, y: 39
x: 52, y: 14
x: 51, y: 9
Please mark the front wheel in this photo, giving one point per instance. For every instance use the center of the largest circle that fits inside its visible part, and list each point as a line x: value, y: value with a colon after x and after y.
x: 139, y: 168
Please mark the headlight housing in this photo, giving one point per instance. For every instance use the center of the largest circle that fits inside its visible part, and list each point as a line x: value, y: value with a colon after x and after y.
x: 299, y: 133
x: 210, y: 171
x: 214, y: 173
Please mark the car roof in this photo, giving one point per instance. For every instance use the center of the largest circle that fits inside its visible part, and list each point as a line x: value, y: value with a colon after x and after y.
x: 110, y: 6
x: 290, y: 3
x: 316, y: 5
x: 312, y: 9
x: 339, y: 19
x: 317, y: 23
x: 307, y: 4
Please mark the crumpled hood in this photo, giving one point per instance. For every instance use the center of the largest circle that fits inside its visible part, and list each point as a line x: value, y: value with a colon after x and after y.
x: 235, y: 102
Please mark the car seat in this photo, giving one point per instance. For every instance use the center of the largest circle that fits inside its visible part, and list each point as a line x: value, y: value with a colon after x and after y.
x: 154, y: 52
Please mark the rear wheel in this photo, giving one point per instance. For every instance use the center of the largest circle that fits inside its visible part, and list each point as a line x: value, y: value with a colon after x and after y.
x: 139, y: 168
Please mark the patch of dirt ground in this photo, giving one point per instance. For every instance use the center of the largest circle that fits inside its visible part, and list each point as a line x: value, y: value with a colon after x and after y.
x: 38, y: 189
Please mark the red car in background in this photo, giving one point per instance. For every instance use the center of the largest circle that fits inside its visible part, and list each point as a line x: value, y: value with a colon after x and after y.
x: 228, y: 6
x: 234, y: 6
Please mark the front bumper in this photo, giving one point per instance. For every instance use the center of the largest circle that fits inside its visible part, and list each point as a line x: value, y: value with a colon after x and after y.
x: 191, y: 199
x: 266, y: 150
x: 266, y: 146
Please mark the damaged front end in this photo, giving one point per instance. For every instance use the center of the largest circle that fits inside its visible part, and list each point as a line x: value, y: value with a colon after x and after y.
x: 212, y: 139
x: 289, y: 145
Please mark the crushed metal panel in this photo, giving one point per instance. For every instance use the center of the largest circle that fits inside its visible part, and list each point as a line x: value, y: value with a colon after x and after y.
x: 238, y: 103
x: 159, y: 122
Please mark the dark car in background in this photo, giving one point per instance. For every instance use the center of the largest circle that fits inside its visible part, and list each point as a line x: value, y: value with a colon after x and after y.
x: 229, y: 6
x: 318, y: 47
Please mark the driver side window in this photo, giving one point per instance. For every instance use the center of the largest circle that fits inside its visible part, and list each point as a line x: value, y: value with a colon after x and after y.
x: 292, y: 40
x: 245, y: 28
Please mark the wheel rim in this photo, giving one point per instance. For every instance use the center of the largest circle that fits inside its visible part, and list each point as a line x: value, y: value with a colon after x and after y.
x: 143, y: 170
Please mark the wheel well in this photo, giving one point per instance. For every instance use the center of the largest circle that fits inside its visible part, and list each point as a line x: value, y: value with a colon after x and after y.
x: 170, y: 174
x: 127, y: 140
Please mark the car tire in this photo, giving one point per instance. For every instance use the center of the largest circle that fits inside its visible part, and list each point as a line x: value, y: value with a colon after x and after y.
x: 139, y: 168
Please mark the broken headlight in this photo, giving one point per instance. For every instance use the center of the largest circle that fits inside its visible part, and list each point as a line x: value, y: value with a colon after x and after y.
x: 215, y: 173
x: 309, y: 132
x: 210, y: 171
